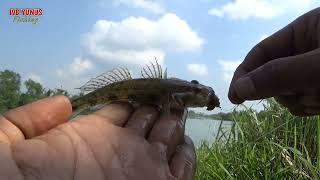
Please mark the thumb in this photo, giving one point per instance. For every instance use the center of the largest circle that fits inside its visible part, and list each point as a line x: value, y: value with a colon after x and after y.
x: 280, y: 76
x: 35, y: 118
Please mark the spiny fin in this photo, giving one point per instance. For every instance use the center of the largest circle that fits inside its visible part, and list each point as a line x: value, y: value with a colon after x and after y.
x: 152, y: 71
x: 115, y: 75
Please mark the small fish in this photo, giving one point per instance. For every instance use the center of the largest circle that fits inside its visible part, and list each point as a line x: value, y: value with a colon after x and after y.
x: 152, y: 88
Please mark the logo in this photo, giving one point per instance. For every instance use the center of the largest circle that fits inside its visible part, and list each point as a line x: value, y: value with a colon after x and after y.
x: 26, y: 15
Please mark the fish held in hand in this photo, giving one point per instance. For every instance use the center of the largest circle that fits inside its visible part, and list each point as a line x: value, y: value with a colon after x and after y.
x: 153, y: 88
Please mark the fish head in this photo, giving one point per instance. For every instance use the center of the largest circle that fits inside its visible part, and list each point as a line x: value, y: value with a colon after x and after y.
x: 200, y: 96
x: 212, y: 101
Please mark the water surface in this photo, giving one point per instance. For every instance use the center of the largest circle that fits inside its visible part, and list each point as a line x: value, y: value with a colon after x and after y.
x: 204, y: 129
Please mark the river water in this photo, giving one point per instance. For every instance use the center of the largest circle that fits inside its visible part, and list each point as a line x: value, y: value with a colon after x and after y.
x: 204, y: 129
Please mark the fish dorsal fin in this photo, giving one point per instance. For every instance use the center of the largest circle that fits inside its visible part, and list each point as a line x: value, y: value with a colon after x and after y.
x: 115, y: 75
x: 152, y: 71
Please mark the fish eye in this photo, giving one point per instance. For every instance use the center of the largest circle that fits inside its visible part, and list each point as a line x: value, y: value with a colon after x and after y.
x: 195, y: 82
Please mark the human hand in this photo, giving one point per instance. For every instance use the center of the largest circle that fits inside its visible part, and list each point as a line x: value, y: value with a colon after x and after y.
x: 115, y: 142
x: 286, y: 66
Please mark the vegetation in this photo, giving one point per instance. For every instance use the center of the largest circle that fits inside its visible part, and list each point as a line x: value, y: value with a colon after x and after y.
x: 218, y: 116
x: 11, y: 94
x: 10, y: 83
x: 271, y: 144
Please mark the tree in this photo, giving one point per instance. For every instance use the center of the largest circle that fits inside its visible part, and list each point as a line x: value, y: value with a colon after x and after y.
x: 34, y: 92
x: 56, y: 92
x: 10, y: 83
x: 11, y: 95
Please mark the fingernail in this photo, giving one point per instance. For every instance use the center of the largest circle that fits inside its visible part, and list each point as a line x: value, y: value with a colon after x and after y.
x: 233, y: 97
x: 244, y: 88
x: 188, y: 141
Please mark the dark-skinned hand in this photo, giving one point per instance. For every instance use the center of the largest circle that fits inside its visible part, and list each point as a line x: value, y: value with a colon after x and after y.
x: 116, y: 142
x: 286, y: 66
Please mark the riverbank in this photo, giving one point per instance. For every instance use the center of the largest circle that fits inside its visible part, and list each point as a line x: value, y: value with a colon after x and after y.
x: 219, y: 116
x: 271, y: 144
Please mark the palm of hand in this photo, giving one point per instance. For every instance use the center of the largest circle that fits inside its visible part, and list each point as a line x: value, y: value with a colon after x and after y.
x: 104, y: 145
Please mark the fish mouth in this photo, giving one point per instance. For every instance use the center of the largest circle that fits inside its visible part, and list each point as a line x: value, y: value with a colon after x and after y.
x: 213, y: 101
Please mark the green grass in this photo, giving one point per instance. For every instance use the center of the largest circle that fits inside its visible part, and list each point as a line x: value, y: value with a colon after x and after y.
x: 271, y: 144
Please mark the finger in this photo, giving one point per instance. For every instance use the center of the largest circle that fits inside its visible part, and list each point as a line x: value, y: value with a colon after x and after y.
x: 311, y: 111
x: 280, y: 76
x: 35, y: 118
x: 183, y: 164
x: 142, y: 120
x: 310, y: 101
x: 289, y: 101
x: 168, y: 131
x: 275, y: 46
x: 281, y: 44
x: 296, y: 108
x: 116, y: 113
x: 233, y: 97
x: 292, y: 103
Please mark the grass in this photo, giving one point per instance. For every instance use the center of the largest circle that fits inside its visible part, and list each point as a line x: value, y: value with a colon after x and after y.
x: 271, y: 144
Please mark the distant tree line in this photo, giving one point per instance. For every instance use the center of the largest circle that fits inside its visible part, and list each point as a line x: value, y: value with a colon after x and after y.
x: 218, y: 116
x: 11, y: 94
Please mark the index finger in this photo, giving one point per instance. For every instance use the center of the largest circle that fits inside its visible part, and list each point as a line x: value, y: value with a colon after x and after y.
x: 261, y: 54
x: 281, y: 44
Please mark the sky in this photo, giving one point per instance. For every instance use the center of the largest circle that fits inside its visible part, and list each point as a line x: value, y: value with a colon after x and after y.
x: 74, y: 41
